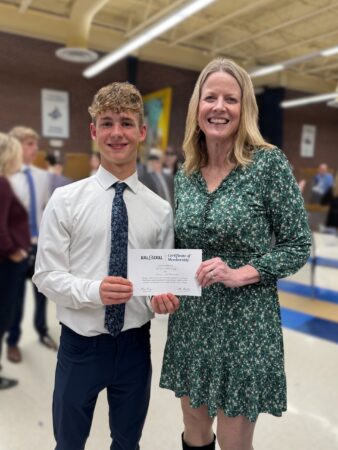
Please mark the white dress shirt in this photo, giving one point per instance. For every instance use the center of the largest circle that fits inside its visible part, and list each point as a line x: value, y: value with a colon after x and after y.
x: 74, y: 247
x: 20, y: 186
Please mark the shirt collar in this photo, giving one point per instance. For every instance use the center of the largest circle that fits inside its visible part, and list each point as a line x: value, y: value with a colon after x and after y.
x: 107, y: 179
x: 26, y: 166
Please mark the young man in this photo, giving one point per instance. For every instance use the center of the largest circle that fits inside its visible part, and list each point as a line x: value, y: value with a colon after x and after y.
x: 86, y: 229
x: 31, y: 186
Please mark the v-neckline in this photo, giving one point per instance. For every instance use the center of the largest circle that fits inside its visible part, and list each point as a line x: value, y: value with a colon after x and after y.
x: 204, y: 182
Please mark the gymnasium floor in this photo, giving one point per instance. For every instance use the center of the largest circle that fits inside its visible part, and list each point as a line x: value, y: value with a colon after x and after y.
x: 311, y: 423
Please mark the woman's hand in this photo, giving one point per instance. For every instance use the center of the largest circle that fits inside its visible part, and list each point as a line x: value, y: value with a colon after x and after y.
x: 18, y: 256
x: 115, y: 290
x: 164, y: 303
x: 217, y: 271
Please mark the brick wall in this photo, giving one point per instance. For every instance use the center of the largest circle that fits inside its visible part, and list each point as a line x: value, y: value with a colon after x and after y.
x: 28, y: 65
x: 326, y: 145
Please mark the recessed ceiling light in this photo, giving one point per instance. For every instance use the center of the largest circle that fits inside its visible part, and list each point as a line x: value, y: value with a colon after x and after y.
x: 76, y: 54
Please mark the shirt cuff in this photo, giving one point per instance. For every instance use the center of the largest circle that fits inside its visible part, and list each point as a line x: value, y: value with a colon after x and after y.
x: 94, y: 293
x: 148, y: 302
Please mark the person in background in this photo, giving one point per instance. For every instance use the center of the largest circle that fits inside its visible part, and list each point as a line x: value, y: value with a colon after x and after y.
x: 322, y: 184
x: 302, y: 185
x: 332, y: 216
x: 31, y: 186
x: 154, y: 177
x: 171, y: 162
x: 81, y: 265
x: 14, y: 239
x: 55, y: 169
x: 224, y: 352
x: 94, y: 162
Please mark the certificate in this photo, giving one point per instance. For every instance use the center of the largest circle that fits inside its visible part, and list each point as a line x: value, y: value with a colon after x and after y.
x: 157, y: 271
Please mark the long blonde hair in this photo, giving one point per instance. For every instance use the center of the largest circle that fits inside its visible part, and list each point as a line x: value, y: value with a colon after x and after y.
x: 10, y: 155
x: 248, y: 135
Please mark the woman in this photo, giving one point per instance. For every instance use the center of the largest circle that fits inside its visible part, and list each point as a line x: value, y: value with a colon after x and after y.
x: 14, y: 238
x: 224, y: 353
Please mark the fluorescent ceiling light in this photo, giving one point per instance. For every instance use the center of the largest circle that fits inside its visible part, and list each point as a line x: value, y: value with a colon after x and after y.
x: 308, y: 100
x: 265, y: 70
x: 155, y: 30
x: 329, y: 51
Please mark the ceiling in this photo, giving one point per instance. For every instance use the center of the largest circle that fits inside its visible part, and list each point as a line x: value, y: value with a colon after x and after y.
x: 254, y: 33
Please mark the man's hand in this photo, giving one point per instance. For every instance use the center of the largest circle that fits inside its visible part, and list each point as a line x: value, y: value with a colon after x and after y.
x: 115, y: 290
x: 165, y: 303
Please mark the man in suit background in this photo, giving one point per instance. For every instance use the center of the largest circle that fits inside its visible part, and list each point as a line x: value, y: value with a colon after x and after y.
x: 55, y: 169
x: 32, y: 187
x: 156, y: 179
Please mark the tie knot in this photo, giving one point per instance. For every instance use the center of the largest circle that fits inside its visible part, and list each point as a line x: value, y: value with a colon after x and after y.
x: 119, y: 187
x: 26, y: 170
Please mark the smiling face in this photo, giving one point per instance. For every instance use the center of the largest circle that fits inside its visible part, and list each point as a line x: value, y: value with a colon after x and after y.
x: 118, y: 135
x: 219, y: 109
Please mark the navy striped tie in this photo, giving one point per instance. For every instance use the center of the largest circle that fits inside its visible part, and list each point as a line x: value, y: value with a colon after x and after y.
x: 114, y: 316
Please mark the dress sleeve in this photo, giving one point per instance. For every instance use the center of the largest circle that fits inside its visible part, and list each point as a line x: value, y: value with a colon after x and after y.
x: 288, y: 218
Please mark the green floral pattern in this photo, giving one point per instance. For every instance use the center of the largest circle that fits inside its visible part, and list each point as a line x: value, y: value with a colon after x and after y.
x: 225, y: 349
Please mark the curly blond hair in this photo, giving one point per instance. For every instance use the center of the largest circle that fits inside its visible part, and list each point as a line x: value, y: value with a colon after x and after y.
x: 117, y: 97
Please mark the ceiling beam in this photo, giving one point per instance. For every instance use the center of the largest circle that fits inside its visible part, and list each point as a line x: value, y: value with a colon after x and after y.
x: 80, y: 20
x: 297, y: 44
x: 296, y: 82
x: 36, y: 24
x: 215, y: 23
x: 150, y: 19
x: 24, y: 5
x: 33, y: 24
x: 294, y: 21
x: 54, y: 28
x: 323, y: 67
x: 158, y: 51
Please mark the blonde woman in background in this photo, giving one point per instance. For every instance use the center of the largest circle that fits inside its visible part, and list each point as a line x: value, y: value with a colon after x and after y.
x: 14, y: 239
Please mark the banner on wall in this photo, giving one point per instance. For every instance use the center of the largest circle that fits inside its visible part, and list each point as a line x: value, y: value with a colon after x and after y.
x: 55, y: 113
x: 307, y: 142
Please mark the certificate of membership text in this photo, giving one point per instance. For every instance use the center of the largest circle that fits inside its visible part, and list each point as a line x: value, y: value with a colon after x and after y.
x: 160, y: 271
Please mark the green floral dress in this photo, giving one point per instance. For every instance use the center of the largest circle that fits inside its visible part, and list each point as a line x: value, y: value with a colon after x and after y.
x: 225, y: 349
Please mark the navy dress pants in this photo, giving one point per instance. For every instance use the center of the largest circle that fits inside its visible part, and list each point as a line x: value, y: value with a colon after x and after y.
x: 40, y: 320
x: 10, y: 273
x: 86, y: 366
